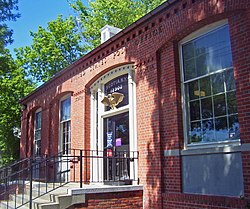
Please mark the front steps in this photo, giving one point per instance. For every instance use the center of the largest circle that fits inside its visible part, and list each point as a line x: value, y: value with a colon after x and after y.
x: 55, y: 199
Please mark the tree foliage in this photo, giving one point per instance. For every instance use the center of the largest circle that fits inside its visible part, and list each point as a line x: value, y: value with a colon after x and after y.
x: 65, y: 40
x: 52, y: 49
x: 13, y: 86
x: 118, y: 13
x: 6, y: 14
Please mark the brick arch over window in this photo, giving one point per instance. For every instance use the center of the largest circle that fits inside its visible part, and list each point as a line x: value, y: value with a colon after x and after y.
x: 29, y: 139
x: 54, y: 120
x: 102, y: 73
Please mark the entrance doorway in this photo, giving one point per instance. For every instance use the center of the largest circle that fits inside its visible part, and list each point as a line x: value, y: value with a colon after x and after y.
x: 113, y: 126
x: 116, y: 149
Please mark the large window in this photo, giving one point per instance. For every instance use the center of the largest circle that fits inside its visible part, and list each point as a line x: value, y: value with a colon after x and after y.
x: 65, y: 117
x: 37, y: 133
x: 210, y: 106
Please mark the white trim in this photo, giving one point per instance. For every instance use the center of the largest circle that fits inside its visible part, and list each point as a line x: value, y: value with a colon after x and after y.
x: 60, y: 122
x: 116, y: 111
x: 111, y: 75
x: 226, y: 148
x: 94, y: 189
x: 98, y: 86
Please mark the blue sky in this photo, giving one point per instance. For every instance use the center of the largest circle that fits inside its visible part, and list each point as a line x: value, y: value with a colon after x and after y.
x: 35, y: 13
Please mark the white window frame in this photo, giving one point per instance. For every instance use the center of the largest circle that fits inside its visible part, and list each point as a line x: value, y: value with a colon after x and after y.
x: 36, y: 130
x: 61, y: 123
x: 98, y: 86
x: 189, y: 38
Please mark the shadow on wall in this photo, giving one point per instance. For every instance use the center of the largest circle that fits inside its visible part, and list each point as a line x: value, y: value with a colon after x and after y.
x: 150, y: 104
x: 158, y: 95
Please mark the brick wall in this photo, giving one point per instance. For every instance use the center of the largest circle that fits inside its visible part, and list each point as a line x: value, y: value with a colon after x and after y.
x: 191, y: 201
x: 122, y: 200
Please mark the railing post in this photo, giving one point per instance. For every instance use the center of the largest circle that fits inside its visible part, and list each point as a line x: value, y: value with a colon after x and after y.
x: 46, y: 172
x: 31, y: 176
x: 80, y: 168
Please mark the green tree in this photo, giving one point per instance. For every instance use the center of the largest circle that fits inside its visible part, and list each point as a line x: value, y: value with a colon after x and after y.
x: 13, y: 86
x: 65, y: 40
x: 52, y: 49
x: 118, y: 13
x: 8, y: 11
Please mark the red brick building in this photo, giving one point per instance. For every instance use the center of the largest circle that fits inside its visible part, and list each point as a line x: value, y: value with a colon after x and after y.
x: 184, y: 74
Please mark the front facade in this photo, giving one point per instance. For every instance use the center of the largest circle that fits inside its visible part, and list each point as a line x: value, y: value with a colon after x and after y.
x: 174, y: 87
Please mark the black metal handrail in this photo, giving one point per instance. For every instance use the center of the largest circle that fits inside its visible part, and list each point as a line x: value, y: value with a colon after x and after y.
x: 30, y: 178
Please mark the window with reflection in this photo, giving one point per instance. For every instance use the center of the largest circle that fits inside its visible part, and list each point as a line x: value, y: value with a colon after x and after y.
x: 37, y: 133
x: 209, y: 87
x: 65, y: 117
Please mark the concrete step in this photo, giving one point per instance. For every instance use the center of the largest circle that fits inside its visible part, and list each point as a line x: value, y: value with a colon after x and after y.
x: 64, y: 201
x: 48, y: 206
x: 54, y: 198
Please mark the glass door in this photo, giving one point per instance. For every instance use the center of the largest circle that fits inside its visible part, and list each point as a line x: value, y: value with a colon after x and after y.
x: 116, y: 149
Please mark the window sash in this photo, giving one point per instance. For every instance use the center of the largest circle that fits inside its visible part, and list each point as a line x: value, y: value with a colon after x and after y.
x: 207, y: 54
x: 65, y: 110
x: 37, y: 133
x: 210, y: 108
x: 65, y: 136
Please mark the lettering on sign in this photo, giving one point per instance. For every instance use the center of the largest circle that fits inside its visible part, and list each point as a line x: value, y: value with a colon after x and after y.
x: 148, y: 36
x: 118, y: 53
x: 76, y: 77
x: 116, y: 84
x: 142, y: 63
x: 98, y: 64
x: 79, y: 98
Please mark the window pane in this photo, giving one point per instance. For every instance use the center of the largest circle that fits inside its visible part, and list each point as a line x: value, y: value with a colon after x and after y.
x: 219, y: 105
x: 38, y: 120
x: 65, y: 109
x: 195, y: 132
x: 208, y: 53
x: 226, y: 57
x: 219, y: 49
x: 190, y: 69
x: 208, y: 130
x: 205, y: 87
x: 206, y: 106
x: 218, y: 83
x: 231, y: 102
x: 193, y: 90
x: 65, y: 137
x: 37, y: 135
x: 234, y: 127
x: 195, y: 110
x: 188, y: 51
x: 221, y: 131
x: 201, y: 65
x: 230, y: 82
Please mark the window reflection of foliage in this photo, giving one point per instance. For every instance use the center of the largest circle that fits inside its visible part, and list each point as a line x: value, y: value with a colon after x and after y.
x: 210, y: 96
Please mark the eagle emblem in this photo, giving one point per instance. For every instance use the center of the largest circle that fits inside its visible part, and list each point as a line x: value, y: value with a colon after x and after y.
x: 112, y: 100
